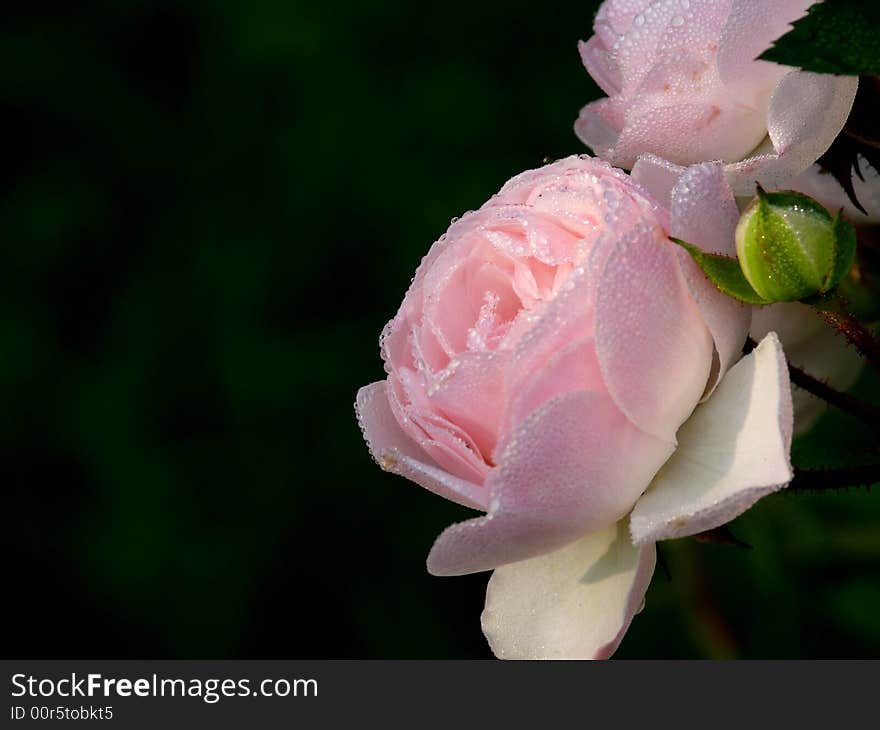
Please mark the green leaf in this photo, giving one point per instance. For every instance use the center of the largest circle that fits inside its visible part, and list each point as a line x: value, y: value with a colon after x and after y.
x: 724, y: 272
x: 835, y: 37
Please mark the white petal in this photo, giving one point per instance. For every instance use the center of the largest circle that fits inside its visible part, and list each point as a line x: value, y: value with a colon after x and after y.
x: 733, y: 450
x: 575, y: 603
x: 816, y: 348
x: 806, y: 113
x: 396, y: 452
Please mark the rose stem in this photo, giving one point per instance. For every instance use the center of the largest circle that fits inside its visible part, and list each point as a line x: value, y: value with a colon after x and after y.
x: 854, y: 331
x: 865, y: 412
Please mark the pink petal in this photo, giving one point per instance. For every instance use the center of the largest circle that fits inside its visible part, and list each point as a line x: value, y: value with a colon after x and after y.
x: 637, y: 51
x: 658, y: 176
x: 574, y: 466
x: 575, y: 603
x: 806, y: 113
x: 704, y: 213
x: 732, y: 451
x: 471, y: 395
x: 653, y: 346
x: 619, y: 14
x: 600, y: 64
x: 396, y: 452
x: 751, y: 28
x: 598, y: 126
x: 695, y: 28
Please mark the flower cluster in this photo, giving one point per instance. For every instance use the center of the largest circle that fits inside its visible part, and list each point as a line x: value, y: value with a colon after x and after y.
x: 559, y: 365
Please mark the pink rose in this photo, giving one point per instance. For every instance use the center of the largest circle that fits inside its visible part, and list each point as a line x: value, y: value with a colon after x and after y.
x: 683, y: 87
x: 545, y: 364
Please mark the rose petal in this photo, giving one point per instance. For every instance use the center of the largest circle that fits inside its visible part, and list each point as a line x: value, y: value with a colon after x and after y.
x: 560, y: 476
x: 657, y: 373
x: 396, y: 452
x: 751, y: 28
x: 575, y: 603
x: 600, y: 64
x: 806, y: 113
x: 597, y: 127
x: 471, y: 395
x: 704, y: 213
x: 732, y: 451
x: 657, y: 176
x: 813, y: 346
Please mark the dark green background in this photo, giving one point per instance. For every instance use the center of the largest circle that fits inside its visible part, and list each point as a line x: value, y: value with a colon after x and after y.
x: 208, y: 212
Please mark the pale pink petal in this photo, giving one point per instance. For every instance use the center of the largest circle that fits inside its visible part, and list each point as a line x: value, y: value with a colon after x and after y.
x: 574, y: 466
x: 446, y: 443
x: 704, y: 213
x: 686, y: 132
x: 396, y: 452
x: 751, y: 28
x: 600, y: 64
x: 620, y: 14
x: 653, y: 346
x: 732, y: 451
x: 657, y: 176
x: 567, y: 321
x: 637, y: 52
x: 572, y: 368
x: 695, y: 27
x: 598, y: 125
x: 813, y: 346
x: 470, y: 393
x: 806, y: 113
x: 575, y: 603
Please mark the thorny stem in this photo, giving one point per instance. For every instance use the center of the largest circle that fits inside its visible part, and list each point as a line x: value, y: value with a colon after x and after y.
x: 858, y: 335
x: 865, y: 412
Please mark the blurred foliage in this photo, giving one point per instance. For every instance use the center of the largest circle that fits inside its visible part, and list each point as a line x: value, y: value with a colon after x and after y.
x: 208, y: 212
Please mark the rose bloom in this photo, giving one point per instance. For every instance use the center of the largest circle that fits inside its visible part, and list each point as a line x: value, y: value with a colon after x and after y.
x: 684, y: 87
x: 545, y: 368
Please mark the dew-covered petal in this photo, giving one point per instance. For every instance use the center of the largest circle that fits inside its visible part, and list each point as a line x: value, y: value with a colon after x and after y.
x: 598, y: 125
x: 471, y: 394
x: 574, y: 603
x: 600, y: 64
x: 619, y: 15
x: 806, y: 113
x: 816, y: 348
x: 654, y: 349
x: 396, y: 452
x: 751, y: 28
x: 657, y: 176
x: 574, y: 466
x: 704, y: 213
x: 732, y: 451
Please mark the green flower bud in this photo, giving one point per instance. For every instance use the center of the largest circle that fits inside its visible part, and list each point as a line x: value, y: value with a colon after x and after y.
x: 790, y: 248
